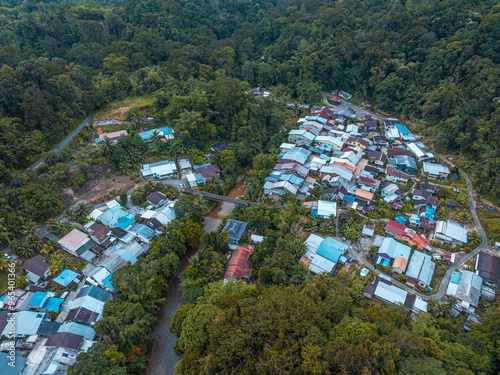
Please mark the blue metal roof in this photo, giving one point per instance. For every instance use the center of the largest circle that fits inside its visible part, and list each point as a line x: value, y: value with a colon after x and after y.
x: 402, y: 129
x: 127, y: 256
x: 53, y: 304
x: 400, y: 219
x: 429, y: 213
x: 348, y: 198
x: 331, y: 249
x: 107, y: 282
x: 65, y: 277
x: 455, y: 277
x: 117, y: 217
x: 37, y: 299
x: 142, y: 230
x: 421, y: 267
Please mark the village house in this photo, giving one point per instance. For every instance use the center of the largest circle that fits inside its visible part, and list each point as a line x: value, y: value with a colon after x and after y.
x: 234, y: 230
x: 435, y: 171
x: 207, y: 171
x: 301, y: 137
x: 357, y: 142
x: 393, y: 251
x: 420, y: 270
x: 78, y: 244
x: 336, y: 192
x: 380, y: 140
x: 396, y: 176
x: 322, y: 254
x: 36, y: 268
x: 377, y: 157
x: 385, y: 291
x: 184, y: 163
x: 237, y: 268
x: 112, y: 137
x: 451, y: 232
x: 368, y: 184
x: 161, y: 170
x: 466, y: 287
x: 156, y: 199
x: 488, y: 267
x: 420, y: 151
x: 335, y: 143
x: 218, y: 146
x: 403, y: 163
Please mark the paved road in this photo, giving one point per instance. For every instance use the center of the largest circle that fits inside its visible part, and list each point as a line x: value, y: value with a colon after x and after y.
x: 66, y: 140
x: 439, y: 295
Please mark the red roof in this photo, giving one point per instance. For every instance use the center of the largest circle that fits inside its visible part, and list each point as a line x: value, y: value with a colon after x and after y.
x: 420, y: 241
x: 306, y: 261
x: 368, y: 181
x: 395, y: 227
x: 397, y: 151
x: 237, y: 267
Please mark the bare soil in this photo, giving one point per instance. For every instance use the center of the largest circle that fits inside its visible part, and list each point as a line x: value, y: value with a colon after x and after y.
x: 96, y: 190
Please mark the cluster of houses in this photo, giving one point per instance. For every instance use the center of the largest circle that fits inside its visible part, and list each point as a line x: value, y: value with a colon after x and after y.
x: 196, y: 175
x: 55, y: 315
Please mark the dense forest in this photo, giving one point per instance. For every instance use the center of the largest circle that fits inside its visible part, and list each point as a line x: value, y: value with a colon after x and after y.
x: 433, y: 62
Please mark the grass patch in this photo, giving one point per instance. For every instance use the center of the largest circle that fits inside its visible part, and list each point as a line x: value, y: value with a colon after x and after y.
x: 118, y: 110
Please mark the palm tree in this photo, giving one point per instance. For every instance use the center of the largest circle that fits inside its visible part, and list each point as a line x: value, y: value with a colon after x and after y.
x: 29, y: 229
x: 156, y: 137
x: 107, y: 147
x: 25, y: 251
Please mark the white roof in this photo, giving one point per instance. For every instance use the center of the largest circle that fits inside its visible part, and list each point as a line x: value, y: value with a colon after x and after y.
x: 416, y: 150
x: 435, y: 168
x: 327, y: 208
x: 392, y: 133
x: 286, y: 185
x: 148, y: 214
x: 455, y: 231
x: 313, y: 242
x: 191, y: 177
x: 94, y: 214
x: 287, y: 145
x: 367, y: 231
x: 99, y: 274
x: 256, y: 238
x: 329, y: 139
x: 420, y: 304
x: 112, y: 203
x: 26, y: 323
x: 390, y: 293
x: 352, y: 128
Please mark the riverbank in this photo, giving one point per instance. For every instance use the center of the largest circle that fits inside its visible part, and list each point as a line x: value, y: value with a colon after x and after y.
x: 162, y: 358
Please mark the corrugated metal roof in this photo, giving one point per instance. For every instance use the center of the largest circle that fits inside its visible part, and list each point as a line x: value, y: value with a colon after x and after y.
x: 65, y: 277
x: 421, y: 267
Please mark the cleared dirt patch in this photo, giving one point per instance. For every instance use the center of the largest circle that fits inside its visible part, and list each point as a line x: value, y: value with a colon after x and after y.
x: 118, y: 110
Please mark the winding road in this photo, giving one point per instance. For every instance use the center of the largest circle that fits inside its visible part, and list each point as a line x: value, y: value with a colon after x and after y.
x: 66, y: 140
x: 439, y: 295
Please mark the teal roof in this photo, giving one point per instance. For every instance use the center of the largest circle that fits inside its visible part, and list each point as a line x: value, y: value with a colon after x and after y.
x: 107, y: 282
x: 53, y: 304
x: 331, y: 249
x: 37, y: 299
x: 65, y: 277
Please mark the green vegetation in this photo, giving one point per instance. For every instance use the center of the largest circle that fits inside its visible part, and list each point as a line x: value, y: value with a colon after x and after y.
x: 191, y: 66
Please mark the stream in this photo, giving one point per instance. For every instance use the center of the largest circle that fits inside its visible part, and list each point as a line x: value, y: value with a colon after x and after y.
x: 162, y: 358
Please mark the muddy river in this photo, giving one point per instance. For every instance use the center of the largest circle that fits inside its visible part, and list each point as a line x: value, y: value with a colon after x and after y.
x: 162, y: 358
